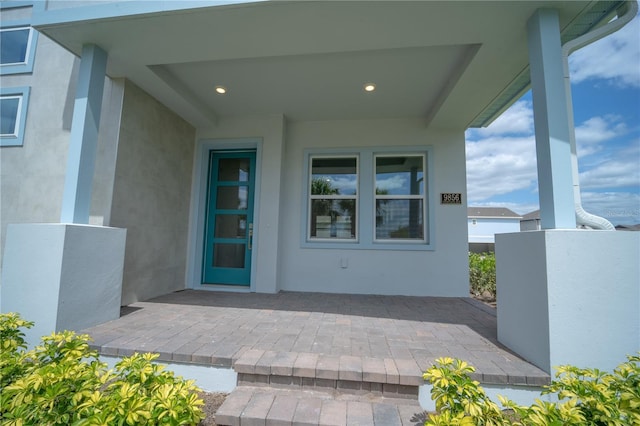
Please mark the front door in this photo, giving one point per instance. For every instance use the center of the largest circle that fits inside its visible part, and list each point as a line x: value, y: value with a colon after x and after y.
x: 229, y: 218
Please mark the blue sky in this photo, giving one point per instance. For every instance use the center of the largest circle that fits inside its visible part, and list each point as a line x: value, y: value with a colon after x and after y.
x: 605, y: 79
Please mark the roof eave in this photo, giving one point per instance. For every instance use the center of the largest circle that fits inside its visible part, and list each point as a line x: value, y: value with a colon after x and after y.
x: 598, y: 13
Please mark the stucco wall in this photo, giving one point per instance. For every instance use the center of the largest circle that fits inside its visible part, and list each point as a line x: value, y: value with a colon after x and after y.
x: 280, y: 261
x: 268, y: 132
x: 32, y: 176
x: 151, y: 195
x: 484, y: 230
x: 438, y: 272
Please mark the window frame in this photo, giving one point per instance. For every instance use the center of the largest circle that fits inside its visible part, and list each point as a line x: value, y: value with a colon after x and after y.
x: 421, y: 197
x: 12, y: 25
x: 332, y: 197
x: 365, y: 209
x: 16, y: 139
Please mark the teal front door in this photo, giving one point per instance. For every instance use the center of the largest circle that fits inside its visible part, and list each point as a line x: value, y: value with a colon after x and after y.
x: 229, y: 219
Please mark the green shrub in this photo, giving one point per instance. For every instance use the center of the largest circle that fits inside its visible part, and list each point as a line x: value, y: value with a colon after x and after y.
x: 584, y: 397
x: 62, y: 382
x: 482, y: 274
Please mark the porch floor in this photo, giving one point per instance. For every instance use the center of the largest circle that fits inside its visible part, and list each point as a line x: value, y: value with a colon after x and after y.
x: 333, y: 331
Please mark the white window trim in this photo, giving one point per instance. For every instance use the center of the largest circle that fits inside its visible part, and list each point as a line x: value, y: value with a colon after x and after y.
x: 17, y: 138
x: 311, y: 197
x: 366, y: 200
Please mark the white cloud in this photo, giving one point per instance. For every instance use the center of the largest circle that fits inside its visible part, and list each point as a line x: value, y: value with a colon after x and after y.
x: 620, y: 170
x: 344, y: 185
x: 518, y: 119
x: 617, y: 207
x: 600, y: 129
x: 391, y: 183
x: 520, y: 208
x: 611, y: 175
x: 591, y: 134
x: 614, y: 58
x: 500, y: 165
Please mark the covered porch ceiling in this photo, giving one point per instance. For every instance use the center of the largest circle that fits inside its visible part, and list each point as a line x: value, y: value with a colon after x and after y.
x: 453, y: 63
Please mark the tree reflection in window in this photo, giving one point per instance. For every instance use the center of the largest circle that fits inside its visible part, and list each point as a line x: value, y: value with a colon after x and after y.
x: 333, y: 189
x: 400, y: 200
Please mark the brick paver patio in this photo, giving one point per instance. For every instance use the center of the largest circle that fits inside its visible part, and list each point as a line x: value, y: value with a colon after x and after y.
x: 339, y: 336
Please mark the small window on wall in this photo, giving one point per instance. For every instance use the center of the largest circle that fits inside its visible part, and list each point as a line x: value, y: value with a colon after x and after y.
x: 17, y: 49
x: 400, y: 202
x: 333, y: 198
x: 13, y: 111
x: 14, y: 45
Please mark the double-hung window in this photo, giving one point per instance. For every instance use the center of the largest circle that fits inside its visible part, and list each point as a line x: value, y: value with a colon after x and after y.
x: 333, y: 200
x: 400, y: 202
x: 370, y: 198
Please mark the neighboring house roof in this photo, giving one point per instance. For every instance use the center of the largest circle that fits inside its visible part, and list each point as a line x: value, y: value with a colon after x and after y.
x: 635, y: 227
x: 532, y: 215
x: 492, y: 212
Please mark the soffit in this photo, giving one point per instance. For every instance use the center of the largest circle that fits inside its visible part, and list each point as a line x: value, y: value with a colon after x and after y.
x: 442, y: 61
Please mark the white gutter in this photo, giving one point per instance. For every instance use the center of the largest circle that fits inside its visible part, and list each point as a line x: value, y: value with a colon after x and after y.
x: 629, y: 11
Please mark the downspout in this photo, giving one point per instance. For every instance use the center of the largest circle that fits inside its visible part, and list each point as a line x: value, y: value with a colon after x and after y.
x: 629, y: 10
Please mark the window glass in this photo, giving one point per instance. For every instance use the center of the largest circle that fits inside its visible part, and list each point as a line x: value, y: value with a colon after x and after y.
x: 334, y: 176
x: 399, y: 219
x: 368, y: 198
x: 14, y: 44
x: 400, y: 200
x: 333, y: 198
x: 232, y: 197
x: 400, y: 175
x: 333, y: 219
x: 234, y: 170
x: 9, y: 107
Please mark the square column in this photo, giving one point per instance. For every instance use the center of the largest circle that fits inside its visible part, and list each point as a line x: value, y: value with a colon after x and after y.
x: 569, y: 296
x: 81, y: 160
x: 62, y: 276
x: 551, y: 119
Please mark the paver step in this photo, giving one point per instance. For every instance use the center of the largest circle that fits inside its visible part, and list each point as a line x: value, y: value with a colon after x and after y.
x: 323, y: 367
x: 400, y: 371
x: 250, y: 405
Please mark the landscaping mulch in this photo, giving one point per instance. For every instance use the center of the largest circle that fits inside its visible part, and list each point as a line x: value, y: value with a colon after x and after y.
x: 212, y: 401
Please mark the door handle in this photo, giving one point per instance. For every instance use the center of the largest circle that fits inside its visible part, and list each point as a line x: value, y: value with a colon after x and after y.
x: 250, y: 236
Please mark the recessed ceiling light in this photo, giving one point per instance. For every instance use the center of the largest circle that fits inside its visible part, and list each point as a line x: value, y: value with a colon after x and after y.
x: 369, y: 87
x: 221, y: 90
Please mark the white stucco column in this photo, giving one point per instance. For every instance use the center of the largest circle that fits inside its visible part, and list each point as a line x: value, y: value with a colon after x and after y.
x: 553, y: 146
x: 84, y: 136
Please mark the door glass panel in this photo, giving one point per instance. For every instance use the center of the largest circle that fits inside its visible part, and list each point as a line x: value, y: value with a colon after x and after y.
x: 231, y: 226
x: 232, y: 197
x: 228, y: 255
x: 399, y: 219
x: 233, y: 170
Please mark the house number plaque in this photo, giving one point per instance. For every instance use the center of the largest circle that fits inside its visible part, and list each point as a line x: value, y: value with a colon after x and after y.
x: 451, y: 198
